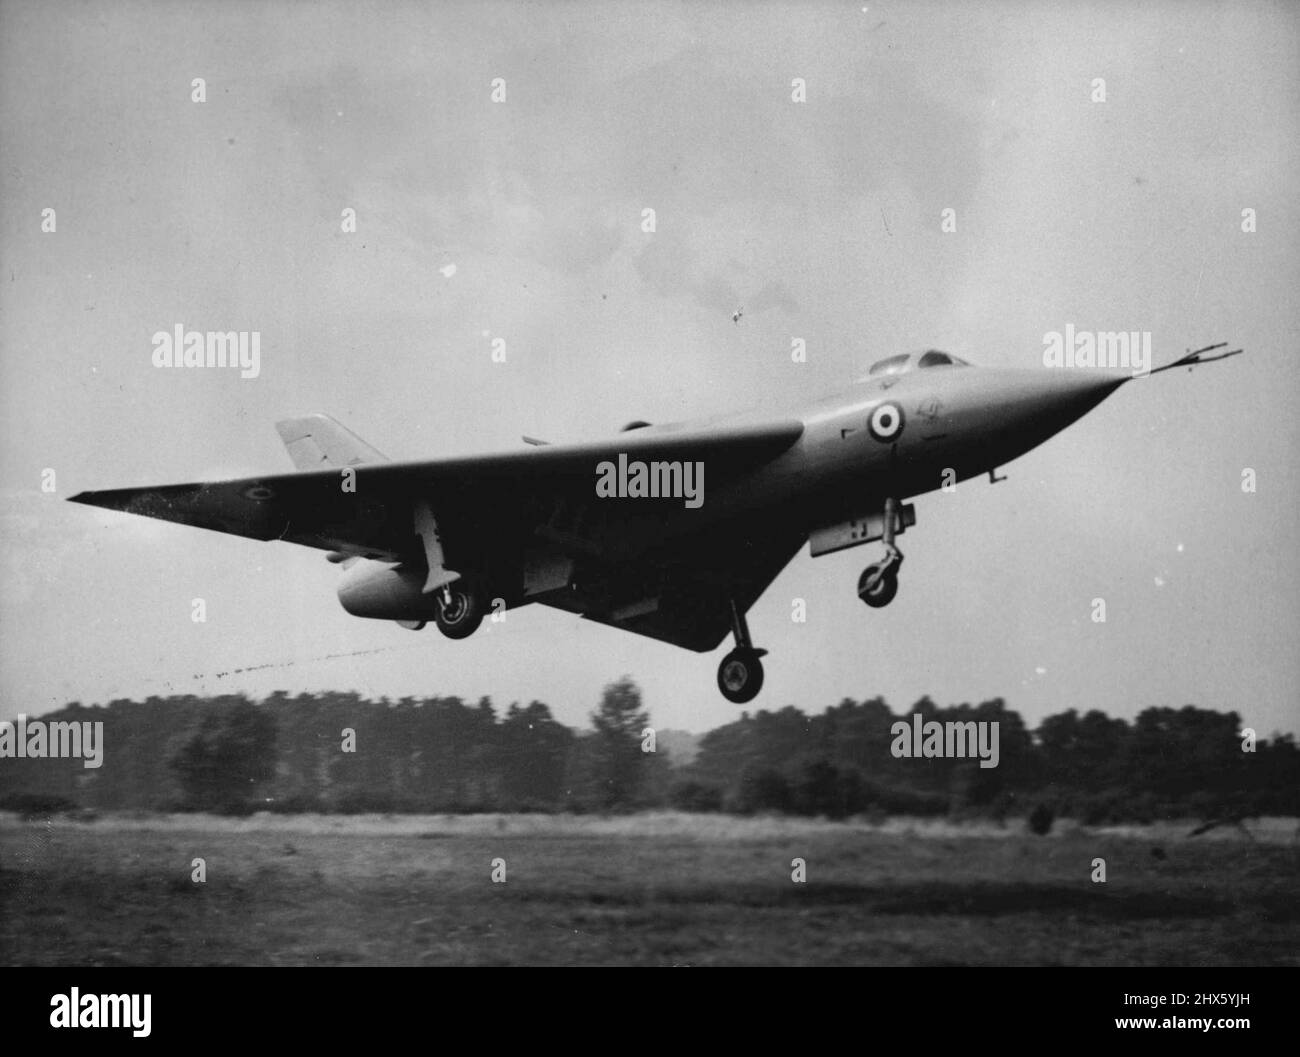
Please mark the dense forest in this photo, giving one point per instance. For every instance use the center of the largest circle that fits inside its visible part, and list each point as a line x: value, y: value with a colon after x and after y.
x: 338, y: 752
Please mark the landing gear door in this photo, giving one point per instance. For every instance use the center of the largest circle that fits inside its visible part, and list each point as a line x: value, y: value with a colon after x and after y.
x: 851, y: 533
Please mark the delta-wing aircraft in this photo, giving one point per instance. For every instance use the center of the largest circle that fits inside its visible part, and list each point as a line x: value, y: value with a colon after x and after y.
x: 670, y: 531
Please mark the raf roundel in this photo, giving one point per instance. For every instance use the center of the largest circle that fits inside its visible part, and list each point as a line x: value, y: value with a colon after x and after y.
x: 886, y: 422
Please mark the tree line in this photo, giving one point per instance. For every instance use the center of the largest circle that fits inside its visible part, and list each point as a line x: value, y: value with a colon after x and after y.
x: 339, y: 752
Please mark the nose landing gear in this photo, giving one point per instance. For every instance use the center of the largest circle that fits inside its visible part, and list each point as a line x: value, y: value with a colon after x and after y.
x: 740, y: 675
x: 879, y: 581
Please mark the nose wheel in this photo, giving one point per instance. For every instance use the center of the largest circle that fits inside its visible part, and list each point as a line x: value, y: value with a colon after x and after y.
x: 879, y: 581
x: 740, y: 675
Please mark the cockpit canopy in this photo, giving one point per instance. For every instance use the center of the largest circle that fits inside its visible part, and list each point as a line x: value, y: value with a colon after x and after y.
x: 908, y: 361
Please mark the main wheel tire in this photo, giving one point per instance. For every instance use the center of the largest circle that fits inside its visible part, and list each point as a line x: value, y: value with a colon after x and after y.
x: 882, y: 592
x: 740, y: 676
x: 460, y: 610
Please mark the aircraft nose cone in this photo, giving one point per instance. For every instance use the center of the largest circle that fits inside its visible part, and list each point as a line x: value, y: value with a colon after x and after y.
x: 1054, y: 398
x: 1016, y: 409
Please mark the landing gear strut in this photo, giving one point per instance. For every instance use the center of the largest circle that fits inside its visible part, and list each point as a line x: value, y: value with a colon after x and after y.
x: 879, y: 581
x: 740, y: 675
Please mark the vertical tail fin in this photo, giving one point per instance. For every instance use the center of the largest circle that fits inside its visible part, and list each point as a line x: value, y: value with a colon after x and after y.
x: 316, y: 442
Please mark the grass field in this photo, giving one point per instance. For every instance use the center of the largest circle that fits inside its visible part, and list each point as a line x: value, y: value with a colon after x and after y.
x: 660, y: 889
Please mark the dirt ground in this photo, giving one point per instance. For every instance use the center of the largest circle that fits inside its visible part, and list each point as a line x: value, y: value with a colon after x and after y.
x: 663, y: 889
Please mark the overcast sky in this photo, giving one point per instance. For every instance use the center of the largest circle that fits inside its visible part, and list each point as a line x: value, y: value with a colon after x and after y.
x: 821, y: 218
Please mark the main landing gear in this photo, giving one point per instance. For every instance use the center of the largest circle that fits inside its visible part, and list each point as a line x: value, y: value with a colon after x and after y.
x: 460, y: 608
x: 740, y: 675
x: 879, y: 581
